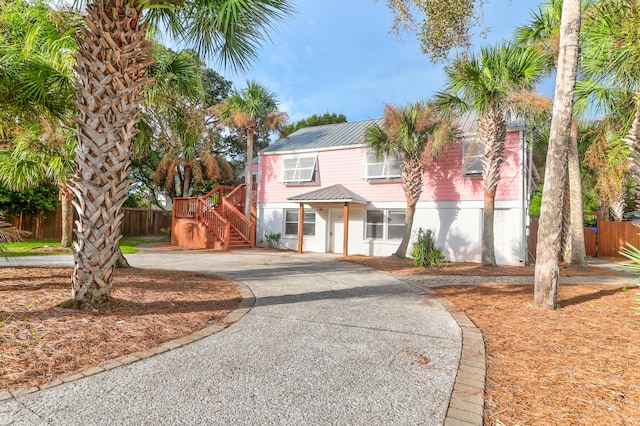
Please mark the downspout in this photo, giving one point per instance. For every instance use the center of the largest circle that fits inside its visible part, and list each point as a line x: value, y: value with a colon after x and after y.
x: 524, y: 224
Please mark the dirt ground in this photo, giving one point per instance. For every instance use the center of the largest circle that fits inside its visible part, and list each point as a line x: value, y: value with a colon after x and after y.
x: 40, y: 341
x: 577, y: 365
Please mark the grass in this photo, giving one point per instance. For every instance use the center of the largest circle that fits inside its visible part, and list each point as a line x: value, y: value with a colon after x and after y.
x: 44, y: 247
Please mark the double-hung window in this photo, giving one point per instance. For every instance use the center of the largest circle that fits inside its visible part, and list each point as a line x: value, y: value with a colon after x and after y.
x: 378, y: 169
x: 299, y: 169
x: 385, y: 224
x: 291, y: 222
x: 472, y: 157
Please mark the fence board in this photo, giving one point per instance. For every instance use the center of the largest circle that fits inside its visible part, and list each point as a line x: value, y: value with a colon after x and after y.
x: 135, y: 223
x: 612, y: 236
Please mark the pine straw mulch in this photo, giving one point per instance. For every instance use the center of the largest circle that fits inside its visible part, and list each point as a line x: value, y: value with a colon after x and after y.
x: 394, y: 265
x: 577, y: 365
x: 40, y: 341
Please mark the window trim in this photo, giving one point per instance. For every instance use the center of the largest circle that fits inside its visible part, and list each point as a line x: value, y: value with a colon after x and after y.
x: 387, y: 162
x: 385, y: 224
x: 297, y: 222
x: 313, y: 178
x: 471, y: 162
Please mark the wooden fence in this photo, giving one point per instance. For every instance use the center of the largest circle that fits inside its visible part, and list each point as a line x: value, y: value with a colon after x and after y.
x: 135, y: 223
x: 605, y: 240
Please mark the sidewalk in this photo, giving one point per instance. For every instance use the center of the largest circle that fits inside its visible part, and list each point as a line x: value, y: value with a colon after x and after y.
x: 326, y: 343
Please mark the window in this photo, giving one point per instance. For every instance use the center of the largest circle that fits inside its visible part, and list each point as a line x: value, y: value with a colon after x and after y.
x: 375, y: 224
x: 389, y: 168
x: 471, y: 157
x: 291, y: 222
x: 385, y: 224
x: 299, y: 169
x: 395, y: 224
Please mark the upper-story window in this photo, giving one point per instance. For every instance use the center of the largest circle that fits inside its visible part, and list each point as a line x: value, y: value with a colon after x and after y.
x: 471, y: 157
x: 299, y: 169
x: 376, y: 169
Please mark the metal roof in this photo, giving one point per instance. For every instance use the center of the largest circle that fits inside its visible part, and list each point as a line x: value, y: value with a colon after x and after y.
x: 326, y: 136
x: 352, y: 133
x: 331, y: 194
x: 468, y: 122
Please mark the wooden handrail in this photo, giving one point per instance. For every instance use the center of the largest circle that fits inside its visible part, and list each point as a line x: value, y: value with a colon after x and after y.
x: 236, y: 197
x: 211, y: 218
x: 185, y: 208
x: 240, y: 223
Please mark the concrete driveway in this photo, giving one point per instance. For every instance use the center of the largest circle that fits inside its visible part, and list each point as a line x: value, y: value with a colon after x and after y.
x: 326, y: 343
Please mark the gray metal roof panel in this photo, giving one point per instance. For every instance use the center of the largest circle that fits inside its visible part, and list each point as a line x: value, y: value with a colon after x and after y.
x: 326, y: 136
x: 334, y: 193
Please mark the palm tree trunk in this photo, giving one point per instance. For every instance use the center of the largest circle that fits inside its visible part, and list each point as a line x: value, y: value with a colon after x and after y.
x: 248, y: 198
x: 112, y: 56
x: 546, y: 268
x: 66, y: 198
x: 578, y: 254
x: 187, y: 180
x: 412, y: 171
x: 492, y: 134
x: 565, y: 233
x: 633, y: 136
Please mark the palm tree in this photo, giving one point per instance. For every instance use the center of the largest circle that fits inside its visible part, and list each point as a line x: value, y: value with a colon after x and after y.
x: 112, y: 58
x: 498, y: 81
x: 611, y: 57
x: 250, y: 108
x: 38, y: 159
x: 543, y: 32
x: 418, y: 133
x: 36, y: 83
x: 546, y: 269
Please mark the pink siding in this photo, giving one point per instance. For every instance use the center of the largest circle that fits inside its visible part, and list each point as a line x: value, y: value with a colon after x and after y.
x: 443, y: 179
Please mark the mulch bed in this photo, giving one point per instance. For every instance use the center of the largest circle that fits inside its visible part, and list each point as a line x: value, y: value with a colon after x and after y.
x: 40, y: 341
x: 577, y: 365
x: 394, y: 265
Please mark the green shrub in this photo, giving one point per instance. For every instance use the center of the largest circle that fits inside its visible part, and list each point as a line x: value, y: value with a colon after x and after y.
x: 633, y: 254
x: 272, y: 240
x: 425, y: 253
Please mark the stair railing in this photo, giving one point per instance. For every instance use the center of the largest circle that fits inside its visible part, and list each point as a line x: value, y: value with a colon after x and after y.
x: 212, y: 220
x: 239, y: 222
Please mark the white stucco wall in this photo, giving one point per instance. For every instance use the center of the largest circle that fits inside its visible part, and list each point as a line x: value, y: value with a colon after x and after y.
x: 458, y: 226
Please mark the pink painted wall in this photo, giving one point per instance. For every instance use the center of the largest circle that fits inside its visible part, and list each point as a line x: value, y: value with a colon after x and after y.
x: 443, y: 180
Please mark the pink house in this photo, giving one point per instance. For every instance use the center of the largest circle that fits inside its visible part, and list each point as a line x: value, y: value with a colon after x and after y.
x: 328, y: 174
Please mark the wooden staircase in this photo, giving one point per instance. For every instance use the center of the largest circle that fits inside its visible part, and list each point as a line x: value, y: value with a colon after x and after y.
x: 219, y: 215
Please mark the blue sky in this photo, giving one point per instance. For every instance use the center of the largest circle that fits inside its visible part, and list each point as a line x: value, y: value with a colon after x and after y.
x: 339, y: 56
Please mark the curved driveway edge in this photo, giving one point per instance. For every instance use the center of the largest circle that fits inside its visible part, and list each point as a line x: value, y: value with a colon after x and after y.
x: 325, y: 343
x: 247, y: 302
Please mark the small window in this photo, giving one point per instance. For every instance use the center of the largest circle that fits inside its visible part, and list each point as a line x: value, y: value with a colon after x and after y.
x: 472, y: 157
x: 385, y: 224
x: 291, y: 222
x: 375, y: 224
x: 298, y: 169
x: 395, y: 222
x: 388, y: 168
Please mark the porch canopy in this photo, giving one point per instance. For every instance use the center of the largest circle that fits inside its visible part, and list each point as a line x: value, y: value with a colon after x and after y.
x: 331, y: 194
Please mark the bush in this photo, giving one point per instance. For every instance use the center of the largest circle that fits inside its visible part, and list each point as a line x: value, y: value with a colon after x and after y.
x: 272, y: 240
x: 425, y: 253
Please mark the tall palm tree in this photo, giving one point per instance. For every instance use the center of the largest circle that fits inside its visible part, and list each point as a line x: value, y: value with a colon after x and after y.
x: 498, y: 81
x: 546, y: 269
x: 610, y: 63
x: 248, y: 109
x: 543, y: 32
x: 417, y: 132
x: 112, y: 60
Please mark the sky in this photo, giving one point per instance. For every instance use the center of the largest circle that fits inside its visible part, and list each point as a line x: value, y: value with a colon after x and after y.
x: 340, y: 57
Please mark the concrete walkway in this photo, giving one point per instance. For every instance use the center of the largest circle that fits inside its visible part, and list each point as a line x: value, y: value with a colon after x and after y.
x: 326, y: 343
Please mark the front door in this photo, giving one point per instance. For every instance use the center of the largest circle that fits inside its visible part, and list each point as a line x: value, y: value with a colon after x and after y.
x: 336, y: 230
